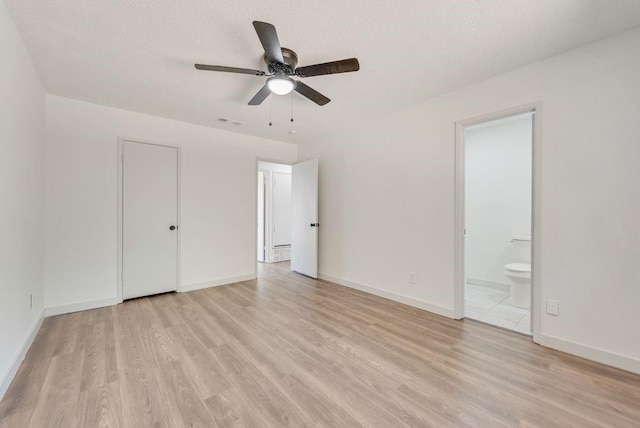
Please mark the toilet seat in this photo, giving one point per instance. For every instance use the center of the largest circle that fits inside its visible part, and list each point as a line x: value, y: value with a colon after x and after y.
x: 520, y: 270
x: 518, y: 267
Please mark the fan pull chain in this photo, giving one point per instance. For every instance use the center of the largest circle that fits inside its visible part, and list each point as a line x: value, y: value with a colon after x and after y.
x: 270, y: 109
x: 291, y: 106
x: 291, y: 130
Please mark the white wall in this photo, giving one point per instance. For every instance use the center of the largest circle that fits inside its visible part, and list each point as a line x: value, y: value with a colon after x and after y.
x: 387, y: 195
x: 282, y: 207
x: 218, y: 203
x: 497, y: 195
x: 22, y: 115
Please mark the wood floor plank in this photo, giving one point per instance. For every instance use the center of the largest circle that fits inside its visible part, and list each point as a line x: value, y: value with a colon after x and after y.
x: 327, y: 376
x: 16, y: 409
x: 288, y: 350
x: 184, y: 406
x: 231, y: 409
x: 208, y: 376
x: 155, y: 330
x: 70, y: 333
x: 283, y: 371
x: 266, y: 398
x: 139, y: 388
x: 58, y: 403
x: 199, y: 322
x: 101, y: 406
x: 100, y: 365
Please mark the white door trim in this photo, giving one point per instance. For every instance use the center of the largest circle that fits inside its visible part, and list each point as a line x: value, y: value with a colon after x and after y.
x: 536, y: 195
x: 262, y: 230
x: 121, y: 141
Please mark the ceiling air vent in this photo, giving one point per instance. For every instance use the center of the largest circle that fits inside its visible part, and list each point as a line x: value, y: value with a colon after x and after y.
x: 231, y: 121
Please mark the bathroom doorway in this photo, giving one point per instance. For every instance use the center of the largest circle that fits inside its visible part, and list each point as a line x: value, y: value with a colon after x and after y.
x: 495, y: 186
x: 274, y: 214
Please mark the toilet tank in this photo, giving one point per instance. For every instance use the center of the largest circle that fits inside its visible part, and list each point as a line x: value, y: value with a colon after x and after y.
x: 521, y: 245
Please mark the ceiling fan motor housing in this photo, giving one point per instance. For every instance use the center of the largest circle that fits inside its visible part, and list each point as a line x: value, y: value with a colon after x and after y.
x: 289, y: 66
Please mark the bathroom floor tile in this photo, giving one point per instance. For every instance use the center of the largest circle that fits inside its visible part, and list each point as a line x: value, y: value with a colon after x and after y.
x: 500, y: 322
x: 489, y: 298
x: 471, y: 290
x: 506, y: 311
x: 473, y: 313
x: 480, y: 305
x: 492, y: 292
x: 523, y: 326
x: 491, y: 305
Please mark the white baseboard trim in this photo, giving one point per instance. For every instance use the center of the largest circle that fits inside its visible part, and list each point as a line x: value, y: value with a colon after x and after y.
x: 594, y: 354
x: 82, y: 306
x: 490, y: 284
x: 436, y: 309
x: 217, y: 282
x: 8, y: 376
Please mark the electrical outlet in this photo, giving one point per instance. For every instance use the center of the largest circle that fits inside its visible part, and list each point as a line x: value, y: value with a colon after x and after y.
x: 31, y: 301
x: 552, y: 307
x: 413, y: 278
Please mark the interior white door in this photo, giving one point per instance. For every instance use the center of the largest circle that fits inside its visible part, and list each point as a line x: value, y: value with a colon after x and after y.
x: 149, y: 219
x: 304, y: 236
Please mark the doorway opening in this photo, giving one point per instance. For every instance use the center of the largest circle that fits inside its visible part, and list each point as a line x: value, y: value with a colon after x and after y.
x: 274, y: 214
x: 495, y: 206
x: 287, y: 215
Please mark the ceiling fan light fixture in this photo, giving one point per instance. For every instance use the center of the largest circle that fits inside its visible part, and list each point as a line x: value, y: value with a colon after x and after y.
x: 281, y: 85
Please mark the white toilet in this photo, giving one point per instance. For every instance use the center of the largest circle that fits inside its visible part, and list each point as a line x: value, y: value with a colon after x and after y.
x: 519, y: 272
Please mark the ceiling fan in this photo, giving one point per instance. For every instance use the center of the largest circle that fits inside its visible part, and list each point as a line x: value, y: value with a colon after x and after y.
x: 281, y: 63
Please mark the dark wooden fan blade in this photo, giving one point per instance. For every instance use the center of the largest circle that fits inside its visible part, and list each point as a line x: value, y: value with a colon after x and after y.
x: 229, y: 69
x: 311, y: 93
x: 260, y: 96
x: 269, y: 39
x: 342, y: 66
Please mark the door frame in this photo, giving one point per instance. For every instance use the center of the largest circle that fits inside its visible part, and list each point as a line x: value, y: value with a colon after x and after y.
x: 255, y: 204
x: 121, y: 141
x: 536, y: 206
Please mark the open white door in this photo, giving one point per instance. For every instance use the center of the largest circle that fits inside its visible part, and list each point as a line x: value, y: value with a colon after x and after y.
x: 304, y: 238
x: 149, y: 219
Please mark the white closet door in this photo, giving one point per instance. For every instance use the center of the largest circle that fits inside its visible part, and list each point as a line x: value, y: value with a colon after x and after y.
x: 304, y: 245
x: 149, y: 219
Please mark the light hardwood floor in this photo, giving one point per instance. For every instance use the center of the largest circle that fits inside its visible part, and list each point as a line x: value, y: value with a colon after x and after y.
x: 287, y: 350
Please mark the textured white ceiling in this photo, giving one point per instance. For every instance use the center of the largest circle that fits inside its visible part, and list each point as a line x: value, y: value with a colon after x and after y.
x: 139, y: 54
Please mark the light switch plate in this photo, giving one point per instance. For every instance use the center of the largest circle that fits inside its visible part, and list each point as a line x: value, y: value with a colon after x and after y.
x: 552, y: 307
